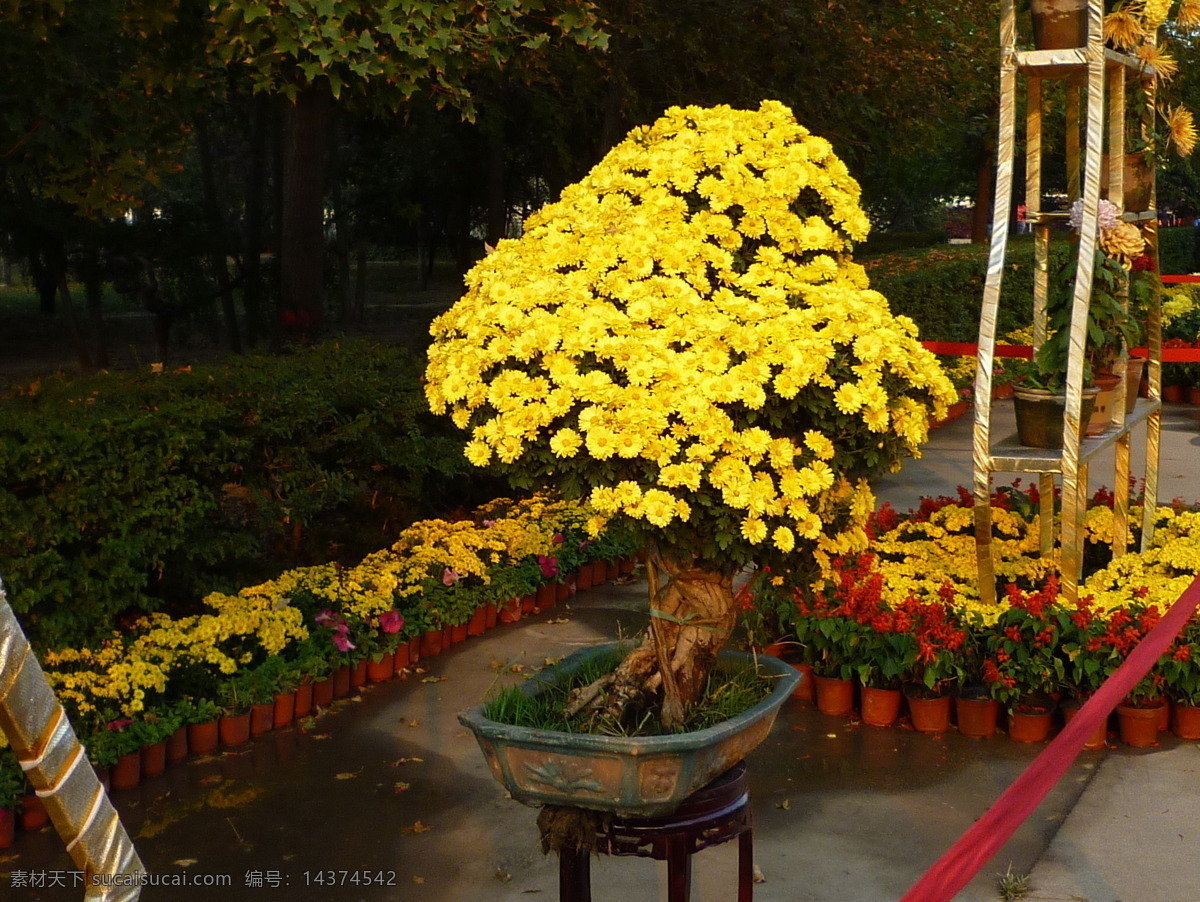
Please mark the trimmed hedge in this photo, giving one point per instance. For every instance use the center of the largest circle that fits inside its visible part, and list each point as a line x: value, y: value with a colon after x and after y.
x: 941, y: 289
x: 1177, y: 250
x: 128, y: 491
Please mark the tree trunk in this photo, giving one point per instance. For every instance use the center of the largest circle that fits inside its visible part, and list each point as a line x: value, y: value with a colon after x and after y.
x: 93, y: 286
x: 302, y: 233
x: 218, y: 256
x: 77, y: 339
x: 692, y: 613
x: 984, y: 183
x: 256, y: 178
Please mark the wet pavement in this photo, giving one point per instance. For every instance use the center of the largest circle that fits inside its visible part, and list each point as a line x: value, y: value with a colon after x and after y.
x: 387, y: 797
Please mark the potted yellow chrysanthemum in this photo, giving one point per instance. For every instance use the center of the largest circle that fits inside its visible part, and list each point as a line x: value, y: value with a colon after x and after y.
x: 683, y: 341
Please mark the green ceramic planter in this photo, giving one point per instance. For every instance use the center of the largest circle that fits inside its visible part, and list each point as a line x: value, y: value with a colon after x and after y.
x: 632, y: 776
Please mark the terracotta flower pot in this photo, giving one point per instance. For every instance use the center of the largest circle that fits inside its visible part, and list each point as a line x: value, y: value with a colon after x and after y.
x: 323, y: 692
x: 477, y: 625
x: 1102, y: 411
x: 1059, y: 24
x: 126, y: 773
x: 154, y: 759
x: 358, y: 674
x: 177, y: 746
x: 414, y: 650
x: 341, y: 682
x: 33, y: 813
x: 546, y: 596
x: 627, y: 564
x: 1032, y: 725
x: 1185, y: 721
x: 400, y: 659
x: 612, y: 570
x: 806, y: 689
x: 976, y: 716
x: 1164, y: 715
x: 1133, y: 381
x: 203, y: 737
x: 583, y: 579
x: 304, y: 700
x: 510, y: 611
x: 283, y: 710
x: 458, y: 633
x: 599, y: 573
x: 234, y: 729
x: 492, y: 613
x: 431, y: 643
x: 1041, y: 415
x: 1098, y: 739
x: 775, y: 649
x: 834, y: 696
x: 381, y: 671
x: 1172, y: 394
x: 563, y: 591
x: 262, y: 718
x: 929, y: 715
x: 447, y: 637
x: 1139, y: 726
x: 1193, y: 395
x: 880, y: 707
x: 8, y: 827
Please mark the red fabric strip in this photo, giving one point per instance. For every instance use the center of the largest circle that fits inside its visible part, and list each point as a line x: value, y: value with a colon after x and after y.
x: 967, y: 349
x: 963, y: 860
x: 1177, y: 279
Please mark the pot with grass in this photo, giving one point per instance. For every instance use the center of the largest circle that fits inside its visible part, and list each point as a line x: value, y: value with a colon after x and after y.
x: 722, y: 388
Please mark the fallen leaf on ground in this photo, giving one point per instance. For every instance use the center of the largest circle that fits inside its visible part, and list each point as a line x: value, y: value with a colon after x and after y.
x: 347, y: 775
x: 408, y: 761
x: 417, y: 827
x: 418, y: 880
x: 559, y: 620
x: 502, y: 875
x: 320, y: 736
x: 186, y: 862
x: 786, y: 805
x: 211, y: 779
x: 758, y: 875
x: 438, y: 679
x: 414, y: 723
x: 400, y: 786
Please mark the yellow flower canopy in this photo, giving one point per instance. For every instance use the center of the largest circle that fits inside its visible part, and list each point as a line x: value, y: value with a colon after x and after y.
x: 684, y: 340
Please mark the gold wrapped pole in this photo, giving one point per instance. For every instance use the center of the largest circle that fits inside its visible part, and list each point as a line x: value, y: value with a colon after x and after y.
x: 55, y: 764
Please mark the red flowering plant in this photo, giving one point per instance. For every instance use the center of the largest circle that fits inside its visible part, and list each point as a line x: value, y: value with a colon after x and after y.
x: 1023, y: 665
x: 1180, y: 666
x: 1088, y: 649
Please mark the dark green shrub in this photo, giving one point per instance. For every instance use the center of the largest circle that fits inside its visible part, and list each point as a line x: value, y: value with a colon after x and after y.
x: 1177, y: 250
x: 941, y: 288
x: 131, y: 490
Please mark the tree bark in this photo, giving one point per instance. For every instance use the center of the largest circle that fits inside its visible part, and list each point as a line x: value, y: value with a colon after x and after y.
x: 219, y: 255
x: 984, y: 183
x: 256, y: 178
x: 302, y: 232
x: 692, y: 613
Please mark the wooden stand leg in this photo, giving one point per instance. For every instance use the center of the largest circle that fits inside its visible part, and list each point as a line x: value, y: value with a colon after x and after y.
x: 746, y: 866
x: 574, y: 876
x: 679, y: 869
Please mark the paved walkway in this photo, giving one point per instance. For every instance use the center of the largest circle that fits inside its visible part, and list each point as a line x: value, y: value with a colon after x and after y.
x: 389, y: 786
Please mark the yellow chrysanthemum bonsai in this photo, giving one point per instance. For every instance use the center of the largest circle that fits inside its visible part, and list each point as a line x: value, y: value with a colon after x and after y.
x: 684, y: 341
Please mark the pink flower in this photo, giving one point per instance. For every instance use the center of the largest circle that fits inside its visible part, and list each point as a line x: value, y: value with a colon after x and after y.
x: 549, y: 565
x: 450, y: 577
x: 558, y: 538
x: 117, y: 725
x: 489, y: 523
x: 324, y: 618
x: 342, y: 642
x: 391, y: 622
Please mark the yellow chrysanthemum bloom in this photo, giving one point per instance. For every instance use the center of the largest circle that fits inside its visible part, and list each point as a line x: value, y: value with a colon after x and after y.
x: 686, y: 321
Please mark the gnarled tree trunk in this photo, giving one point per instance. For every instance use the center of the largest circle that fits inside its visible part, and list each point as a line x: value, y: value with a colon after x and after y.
x: 692, y: 614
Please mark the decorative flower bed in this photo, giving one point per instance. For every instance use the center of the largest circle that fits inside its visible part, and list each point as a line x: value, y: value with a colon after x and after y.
x: 909, y: 612
x: 273, y: 647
